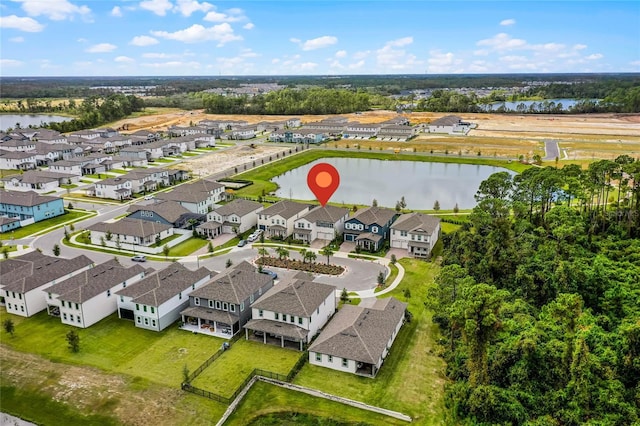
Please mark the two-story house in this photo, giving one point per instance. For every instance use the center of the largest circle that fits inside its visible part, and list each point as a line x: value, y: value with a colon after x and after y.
x: 164, y: 211
x: 199, y: 197
x: 30, y: 206
x: 292, y: 312
x: 323, y: 223
x: 358, y: 339
x: 238, y: 215
x: 277, y: 220
x: 369, y: 227
x: 222, y: 306
x: 155, y: 302
x: 116, y: 188
x: 418, y: 233
x: 24, y: 279
x: 89, y: 296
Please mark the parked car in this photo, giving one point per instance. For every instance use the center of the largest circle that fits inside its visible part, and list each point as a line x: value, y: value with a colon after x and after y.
x: 252, y: 238
x: 242, y: 243
x: 270, y: 273
x: 149, y: 197
x: 139, y: 258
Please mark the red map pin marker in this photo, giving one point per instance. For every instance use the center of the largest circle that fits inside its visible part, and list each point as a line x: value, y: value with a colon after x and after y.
x: 323, y: 180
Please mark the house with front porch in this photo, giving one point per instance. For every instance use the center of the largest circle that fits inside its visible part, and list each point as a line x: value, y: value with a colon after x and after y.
x: 221, y: 307
x: 323, y: 223
x: 129, y: 231
x: 198, y: 197
x: 24, y: 280
x: 277, y: 220
x: 358, y: 339
x: 116, y: 188
x: 238, y: 215
x: 38, y: 181
x: 369, y: 227
x: 291, y: 313
x: 165, y: 211
x: 89, y: 296
x: 418, y: 233
x: 155, y: 302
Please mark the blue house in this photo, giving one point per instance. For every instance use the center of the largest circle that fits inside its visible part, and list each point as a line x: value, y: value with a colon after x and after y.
x: 369, y: 228
x: 8, y: 223
x: 29, y: 206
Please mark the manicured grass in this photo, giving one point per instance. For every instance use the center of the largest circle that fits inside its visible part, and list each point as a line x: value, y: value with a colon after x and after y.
x: 69, y: 186
x: 166, y: 240
x: 187, y: 247
x: 412, y: 379
x: 264, y: 398
x: 448, y: 228
x: 114, y: 345
x: 190, y: 154
x: 228, y: 372
x: 162, y: 160
x: 119, y: 171
x: 54, y: 222
x: 9, y: 172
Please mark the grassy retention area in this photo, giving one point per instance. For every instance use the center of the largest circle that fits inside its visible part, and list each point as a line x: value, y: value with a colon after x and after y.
x: 261, y: 176
x: 54, y: 222
x: 412, y: 379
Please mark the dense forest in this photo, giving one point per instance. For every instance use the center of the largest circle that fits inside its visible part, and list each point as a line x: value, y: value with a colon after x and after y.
x: 538, y: 299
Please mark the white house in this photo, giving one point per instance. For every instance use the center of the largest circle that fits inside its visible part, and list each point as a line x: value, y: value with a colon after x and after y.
x: 277, y: 220
x: 418, y: 233
x: 322, y: 223
x: 449, y: 124
x: 155, y: 302
x: 291, y: 312
x: 89, y: 297
x: 358, y: 338
x: 129, y: 231
x: 39, y: 181
x: 24, y: 279
x: 240, y: 214
x: 197, y: 197
x: 17, y: 160
x: 117, y: 188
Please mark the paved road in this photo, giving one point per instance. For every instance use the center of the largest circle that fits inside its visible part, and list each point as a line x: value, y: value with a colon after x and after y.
x: 551, y: 149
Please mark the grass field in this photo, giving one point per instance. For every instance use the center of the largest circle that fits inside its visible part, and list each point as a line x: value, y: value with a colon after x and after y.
x: 187, y: 247
x: 412, y: 379
x: 228, y: 372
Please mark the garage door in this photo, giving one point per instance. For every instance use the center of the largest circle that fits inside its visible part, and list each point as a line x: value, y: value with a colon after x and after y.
x: 126, y: 314
x: 325, y: 235
x: 399, y: 244
x: 349, y: 237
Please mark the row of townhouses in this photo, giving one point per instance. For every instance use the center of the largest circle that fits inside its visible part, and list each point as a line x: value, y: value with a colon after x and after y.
x: 291, y: 314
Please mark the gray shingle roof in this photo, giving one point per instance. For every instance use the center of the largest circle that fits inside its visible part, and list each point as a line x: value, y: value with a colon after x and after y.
x: 26, y: 199
x: 360, y: 333
x: 278, y: 328
x: 39, y: 270
x: 97, y: 280
x: 238, y: 206
x: 330, y: 214
x: 210, y: 314
x: 185, y: 196
x: 133, y: 227
x: 374, y: 215
x: 285, y: 209
x: 233, y: 286
x: 447, y: 120
x: 170, y: 210
x: 416, y: 222
x: 156, y: 289
x: 298, y: 297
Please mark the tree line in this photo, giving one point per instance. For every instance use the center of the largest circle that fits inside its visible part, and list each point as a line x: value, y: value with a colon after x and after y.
x: 538, y: 297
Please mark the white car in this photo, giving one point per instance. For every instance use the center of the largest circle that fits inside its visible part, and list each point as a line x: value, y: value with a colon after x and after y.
x: 149, y: 197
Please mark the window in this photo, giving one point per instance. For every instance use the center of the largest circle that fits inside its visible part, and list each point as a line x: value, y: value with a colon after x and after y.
x: 232, y: 307
x: 218, y: 304
x: 345, y: 362
x: 22, y: 308
x: 276, y: 315
x: 144, y: 308
x: 260, y: 291
x: 78, y: 318
x: 251, y: 299
x: 318, y: 357
x: 318, y: 311
x: 300, y: 320
x: 146, y: 321
x: 153, y: 323
x: 137, y: 307
x: 139, y: 320
x: 64, y: 317
x: 9, y: 305
x: 193, y: 286
x: 225, y: 306
x: 330, y: 358
x: 374, y: 229
x: 242, y: 307
x: 347, y: 226
x: 122, y: 298
x: 77, y: 306
x: 260, y: 313
x: 49, y: 295
x: 284, y: 317
x: 62, y: 303
x: 211, y: 303
x: 403, y: 233
x: 109, y: 293
x: 180, y: 296
x: 153, y: 310
x: 196, y: 301
x: 292, y: 319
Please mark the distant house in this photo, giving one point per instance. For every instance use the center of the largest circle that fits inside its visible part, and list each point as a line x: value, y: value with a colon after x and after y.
x: 39, y: 181
x: 30, y: 206
x: 394, y: 132
x: 415, y: 232
x: 24, y: 279
x: 18, y: 160
x: 155, y: 302
x: 322, y: 223
x: 277, y: 220
x: 239, y: 214
x: 222, y: 306
x: 449, y: 124
x: 116, y: 188
x: 291, y: 312
x: 198, y: 197
x: 89, y: 296
x: 355, y: 130
x: 8, y: 224
x: 358, y: 339
x: 165, y: 212
x: 245, y: 132
x: 369, y: 227
x: 129, y: 231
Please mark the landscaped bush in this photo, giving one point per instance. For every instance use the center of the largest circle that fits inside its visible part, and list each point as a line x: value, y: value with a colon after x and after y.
x: 316, y: 268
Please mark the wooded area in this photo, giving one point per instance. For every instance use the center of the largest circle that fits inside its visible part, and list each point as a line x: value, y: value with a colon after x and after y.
x: 538, y: 299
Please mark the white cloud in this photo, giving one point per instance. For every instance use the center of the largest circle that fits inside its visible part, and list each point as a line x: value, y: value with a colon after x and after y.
x: 335, y: 64
x: 361, y: 54
x: 481, y: 52
x: 182, y: 66
x: 356, y: 65
x: 318, y: 43
x: 635, y: 63
x: 507, y: 22
x: 143, y: 40
x: 294, y: 40
x: 16, y: 39
x: 187, y: 7
x: 548, y: 47
x: 248, y: 53
x: 124, y: 59
x: 153, y: 55
x: 231, y: 15
x: 503, y: 41
x: 159, y: 7
x: 116, y: 11
x: 513, y: 58
x: 82, y: 40
x: 441, y: 63
x: 29, y: 25
x: 405, y: 41
x: 478, y: 67
x: 101, y: 48
x: 595, y: 56
x: 306, y: 66
x: 248, y: 26
x: 580, y: 46
x: 222, y: 33
x: 10, y: 63
x: 57, y: 10
x: 341, y: 53
x: 390, y: 58
x: 275, y: 60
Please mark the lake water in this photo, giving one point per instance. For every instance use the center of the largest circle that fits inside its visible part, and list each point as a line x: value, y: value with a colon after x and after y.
x: 421, y: 183
x: 566, y: 104
x: 9, y: 120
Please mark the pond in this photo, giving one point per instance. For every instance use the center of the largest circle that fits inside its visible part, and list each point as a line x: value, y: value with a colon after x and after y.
x: 25, y: 120
x: 421, y: 183
x: 553, y: 105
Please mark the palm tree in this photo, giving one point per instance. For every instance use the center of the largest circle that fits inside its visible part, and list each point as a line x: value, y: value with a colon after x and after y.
x: 311, y: 256
x: 282, y: 253
x: 327, y: 251
x: 263, y: 252
x: 304, y: 252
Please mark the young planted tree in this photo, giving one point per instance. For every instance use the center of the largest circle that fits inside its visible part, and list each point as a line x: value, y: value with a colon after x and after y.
x: 380, y: 278
x: 165, y: 251
x: 344, y: 296
x: 229, y: 263
x: 456, y: 209
x: 311, y: 256
x: 374, y: 203
x: 210, y: 247
x: 436, y: 205
x: 8, y: 326
x: 303, y: 254
x: 73, y: 341
x: 56, y: 250
x: 263, y: 252
x: 327, y: 251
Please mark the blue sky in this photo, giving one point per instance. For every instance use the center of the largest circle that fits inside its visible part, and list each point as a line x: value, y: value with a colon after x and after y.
x: 189, y: 37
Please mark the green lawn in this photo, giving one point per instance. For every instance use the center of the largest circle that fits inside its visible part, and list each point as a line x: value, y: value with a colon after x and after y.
x: 228, y: 372
x: 119, y: 171
x: 190, y: 154
x: 57, y: 222
x: 162, y: 160
x: 264, y: 399
x: 114, y: 345
x: 412, y: 379
x: 187, y: 247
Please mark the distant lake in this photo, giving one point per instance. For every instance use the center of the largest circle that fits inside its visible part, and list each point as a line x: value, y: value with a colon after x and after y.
x: 421, y: 183
x: 25, y: 120
x: 566, y: 104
